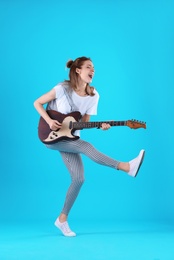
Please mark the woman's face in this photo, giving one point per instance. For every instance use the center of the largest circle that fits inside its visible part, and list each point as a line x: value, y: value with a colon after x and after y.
x: 86, y: 72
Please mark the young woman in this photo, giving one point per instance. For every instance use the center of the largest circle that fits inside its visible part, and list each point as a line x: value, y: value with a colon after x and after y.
x: 77, y: 94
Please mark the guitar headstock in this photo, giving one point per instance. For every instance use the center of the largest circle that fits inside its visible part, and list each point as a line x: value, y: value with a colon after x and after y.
x: 135, y: 124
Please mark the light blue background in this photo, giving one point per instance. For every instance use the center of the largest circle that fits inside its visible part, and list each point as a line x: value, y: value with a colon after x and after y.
x: 131, y: 45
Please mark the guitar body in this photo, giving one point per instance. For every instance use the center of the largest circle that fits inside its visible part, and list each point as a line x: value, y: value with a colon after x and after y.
x: 48, y: 136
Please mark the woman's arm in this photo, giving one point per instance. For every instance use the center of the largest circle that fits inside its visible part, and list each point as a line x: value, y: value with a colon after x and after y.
x: 38, y: 104
x: 86, y: 118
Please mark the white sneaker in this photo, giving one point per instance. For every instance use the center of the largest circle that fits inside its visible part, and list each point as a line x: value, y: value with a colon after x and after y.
x: 64, y: 227
x: 135, y: 164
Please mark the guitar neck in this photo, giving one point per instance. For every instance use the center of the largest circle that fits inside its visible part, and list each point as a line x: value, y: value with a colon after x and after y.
x: 81, y: 125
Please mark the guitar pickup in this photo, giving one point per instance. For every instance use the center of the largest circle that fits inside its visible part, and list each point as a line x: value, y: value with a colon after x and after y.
x: 70, y: 125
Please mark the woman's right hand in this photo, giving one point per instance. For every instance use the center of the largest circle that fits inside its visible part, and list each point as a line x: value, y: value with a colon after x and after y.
x: 54, y: 124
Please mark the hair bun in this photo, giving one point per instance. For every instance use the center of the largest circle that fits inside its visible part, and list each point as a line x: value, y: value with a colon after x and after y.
x: 69, y: 63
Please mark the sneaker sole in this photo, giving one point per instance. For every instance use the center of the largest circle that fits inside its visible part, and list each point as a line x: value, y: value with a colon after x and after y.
x: 142, y: 158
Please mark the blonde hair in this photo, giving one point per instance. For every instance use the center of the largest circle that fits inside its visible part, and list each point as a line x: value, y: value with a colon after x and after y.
x: 73, y: 76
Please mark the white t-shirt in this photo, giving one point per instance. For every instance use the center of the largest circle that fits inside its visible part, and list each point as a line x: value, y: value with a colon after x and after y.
x: 86, y: 104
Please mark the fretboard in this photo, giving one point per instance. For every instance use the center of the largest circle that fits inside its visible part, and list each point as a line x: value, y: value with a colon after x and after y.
x: 81, y: 125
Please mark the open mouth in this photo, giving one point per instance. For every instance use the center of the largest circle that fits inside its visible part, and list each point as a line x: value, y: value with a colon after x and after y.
x: 90, y: 76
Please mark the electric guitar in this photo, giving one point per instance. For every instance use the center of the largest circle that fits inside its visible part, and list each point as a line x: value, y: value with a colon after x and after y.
x: 70, y: 122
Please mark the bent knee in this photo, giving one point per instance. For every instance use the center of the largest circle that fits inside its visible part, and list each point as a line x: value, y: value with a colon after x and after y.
x: 78, y: 181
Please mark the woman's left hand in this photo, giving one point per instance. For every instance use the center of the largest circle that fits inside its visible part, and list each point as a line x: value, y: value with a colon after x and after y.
x: 105, y: 126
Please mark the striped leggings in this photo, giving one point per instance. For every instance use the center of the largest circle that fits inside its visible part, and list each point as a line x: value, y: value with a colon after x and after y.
x: 70, y: 152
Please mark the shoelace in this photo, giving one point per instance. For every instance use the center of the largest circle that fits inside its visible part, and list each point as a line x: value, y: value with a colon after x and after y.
x: 65, y: 228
